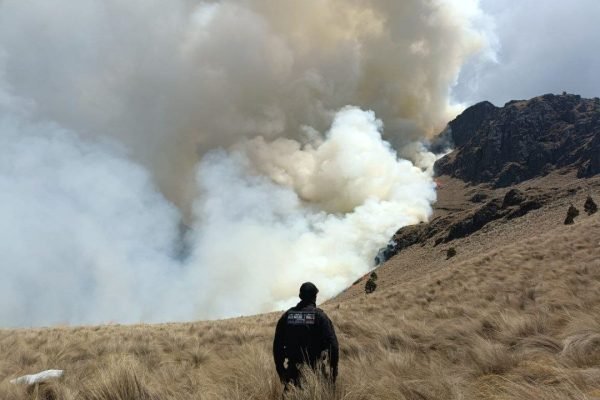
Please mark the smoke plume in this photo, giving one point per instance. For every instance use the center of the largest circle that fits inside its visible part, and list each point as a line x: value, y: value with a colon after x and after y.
x: 118, y: 120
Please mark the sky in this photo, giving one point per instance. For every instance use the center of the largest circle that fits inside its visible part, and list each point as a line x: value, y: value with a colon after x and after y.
x: 540, y: 46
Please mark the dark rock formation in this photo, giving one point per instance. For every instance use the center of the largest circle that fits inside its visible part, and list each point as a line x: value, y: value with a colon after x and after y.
x: 524, y: 139
x: 489, y: 212
x: 513, y: 197
x: 513, y: 204
x: 478, y: 198
x: 470, y: 121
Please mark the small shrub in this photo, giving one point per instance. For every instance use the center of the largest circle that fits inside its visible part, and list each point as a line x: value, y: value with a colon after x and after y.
x: 572, y: 212
x: 370, y: 286
x: 373, y: 276
x: 450, y: 253
x: 590, y: 206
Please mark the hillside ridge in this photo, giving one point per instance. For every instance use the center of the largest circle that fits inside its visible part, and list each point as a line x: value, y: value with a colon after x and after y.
x: 503, y: 146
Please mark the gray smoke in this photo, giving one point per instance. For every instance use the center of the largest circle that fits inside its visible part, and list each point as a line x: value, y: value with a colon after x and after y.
x: 172, y: 80
x: 118, y: 119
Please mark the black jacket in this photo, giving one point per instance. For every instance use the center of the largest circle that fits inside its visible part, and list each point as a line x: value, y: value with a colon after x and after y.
x: 302, y: 334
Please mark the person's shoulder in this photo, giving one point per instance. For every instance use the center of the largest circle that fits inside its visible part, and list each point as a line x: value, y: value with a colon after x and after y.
x: 321, y: 312
x: 286, y: 312
x: 289, y: 310
x: 292, y: 309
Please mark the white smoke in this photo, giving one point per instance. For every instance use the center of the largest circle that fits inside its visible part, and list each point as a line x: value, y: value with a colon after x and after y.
x: 85, y: 236
x: 235, y: 111
x: 173, y: 79
x: 275, y: 214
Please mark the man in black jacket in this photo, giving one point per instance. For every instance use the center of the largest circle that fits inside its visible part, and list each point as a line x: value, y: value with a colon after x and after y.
x: 304, y: 334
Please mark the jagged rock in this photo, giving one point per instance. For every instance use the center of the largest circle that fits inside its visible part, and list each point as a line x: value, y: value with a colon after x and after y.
x: 513, y: 204
x: 590, y: 206
x: 462, y: 129
x: 524, y: 139
x: 384, y: 254
x: 492, y: 210
x: 478, y: 198
x: 524, y: 208
x: 513, y: 197
x: 410, y: 235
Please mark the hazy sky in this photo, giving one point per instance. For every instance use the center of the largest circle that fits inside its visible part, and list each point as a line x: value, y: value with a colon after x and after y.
x: 542, y: 46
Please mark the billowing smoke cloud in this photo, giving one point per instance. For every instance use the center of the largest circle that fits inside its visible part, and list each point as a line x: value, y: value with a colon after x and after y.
x: 85, y: 237
x: 173, y: 79
x: 237, y: 112
x: 285, y: 213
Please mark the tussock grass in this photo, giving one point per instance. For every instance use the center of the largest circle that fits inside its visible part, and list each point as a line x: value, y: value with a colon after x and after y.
x: 507, y: 324
x: 124, y: 380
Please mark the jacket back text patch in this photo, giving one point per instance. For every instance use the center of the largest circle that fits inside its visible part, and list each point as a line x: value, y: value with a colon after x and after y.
x: 301, y: 318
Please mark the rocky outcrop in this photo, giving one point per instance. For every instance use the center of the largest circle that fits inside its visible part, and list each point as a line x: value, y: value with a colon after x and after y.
x: 503, y: 146
x: 513, y: 204
x: 524, y: 139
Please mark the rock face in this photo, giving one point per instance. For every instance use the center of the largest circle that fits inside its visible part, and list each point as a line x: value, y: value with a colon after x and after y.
x: 501, y: 147
x: 524, y: 139
x: 514, y: 204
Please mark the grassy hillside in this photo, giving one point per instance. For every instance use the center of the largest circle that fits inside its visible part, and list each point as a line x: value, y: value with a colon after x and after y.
x: 515, y: 315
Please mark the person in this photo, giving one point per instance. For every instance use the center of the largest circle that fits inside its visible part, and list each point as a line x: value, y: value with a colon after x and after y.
x: 304, y: 336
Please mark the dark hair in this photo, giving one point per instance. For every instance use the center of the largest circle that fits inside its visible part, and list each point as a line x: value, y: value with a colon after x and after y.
x: 308, y: 291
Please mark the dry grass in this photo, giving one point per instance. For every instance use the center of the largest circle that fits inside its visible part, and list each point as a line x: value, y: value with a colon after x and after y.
x: 521, y: 321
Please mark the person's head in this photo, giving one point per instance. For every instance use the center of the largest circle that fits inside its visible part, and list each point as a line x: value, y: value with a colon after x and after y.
x: 308, y: 291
